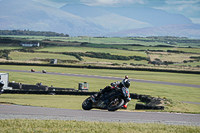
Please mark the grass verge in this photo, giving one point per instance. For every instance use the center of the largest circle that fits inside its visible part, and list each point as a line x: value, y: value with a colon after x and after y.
x: 75, y: 102
x: 58, y: 126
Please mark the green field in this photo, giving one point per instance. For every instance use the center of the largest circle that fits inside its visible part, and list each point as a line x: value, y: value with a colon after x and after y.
x: 9, y: 47
x: 190, y: 50
x: 53, y: 101
x: 193, y: 64
x: 24, y: 56
x: 163, y: 56
x: 146, y: 49
x: 97, y: 61
x: 174, y: 57
x: 146, y: 75
x: 60, y: 126
x: 28, y: 56
x: 88, y: 49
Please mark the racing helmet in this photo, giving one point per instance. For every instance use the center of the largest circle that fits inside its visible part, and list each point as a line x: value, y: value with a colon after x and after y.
x: 126, y: 83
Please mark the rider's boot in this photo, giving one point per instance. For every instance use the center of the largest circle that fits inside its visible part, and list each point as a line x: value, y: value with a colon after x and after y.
x: 96, y: 96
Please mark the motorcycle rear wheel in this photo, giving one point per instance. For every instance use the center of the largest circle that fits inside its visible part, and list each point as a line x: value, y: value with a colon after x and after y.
x: 115, y: 104
x: 87, y: 104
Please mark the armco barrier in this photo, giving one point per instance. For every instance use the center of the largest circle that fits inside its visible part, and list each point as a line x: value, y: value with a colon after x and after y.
x: 34, y: 87
x: 15, y: 85
x: 60, y: 89
x: 27, y: 87
x: 48, y: 92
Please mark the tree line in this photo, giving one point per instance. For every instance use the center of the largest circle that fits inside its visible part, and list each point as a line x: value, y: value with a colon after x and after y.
x: 32, y: 33
x: 4, y: 54
x: 171, y: 40
x: 104, y: 56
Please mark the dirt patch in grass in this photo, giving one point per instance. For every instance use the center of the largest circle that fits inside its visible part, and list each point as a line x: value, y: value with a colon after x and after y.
x: 174, y: 57
x: 21, y: 61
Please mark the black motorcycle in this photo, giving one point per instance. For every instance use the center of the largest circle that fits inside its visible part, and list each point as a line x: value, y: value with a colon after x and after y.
x: 111, y: 101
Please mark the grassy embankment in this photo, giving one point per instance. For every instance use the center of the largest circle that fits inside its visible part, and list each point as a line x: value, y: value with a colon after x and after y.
x: 176, y: 93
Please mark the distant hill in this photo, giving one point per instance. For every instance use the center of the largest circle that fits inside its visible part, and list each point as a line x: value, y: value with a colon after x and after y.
x: 155, y: 17
x: 106, y: 19
x: 83, y: 20
x: 30, y: 15
x: 141, y: 21
x: 181, y: 30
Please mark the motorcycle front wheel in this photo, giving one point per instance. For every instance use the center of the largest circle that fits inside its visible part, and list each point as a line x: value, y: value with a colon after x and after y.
x: 87, y: 104
x: 115, y: 104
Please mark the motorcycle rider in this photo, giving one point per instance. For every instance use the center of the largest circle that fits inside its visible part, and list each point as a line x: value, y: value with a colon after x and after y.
x: 116, y: 85
x: 1, y: 85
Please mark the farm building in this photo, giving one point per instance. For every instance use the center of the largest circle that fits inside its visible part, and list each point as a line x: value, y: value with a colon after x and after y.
x: 30, y: 44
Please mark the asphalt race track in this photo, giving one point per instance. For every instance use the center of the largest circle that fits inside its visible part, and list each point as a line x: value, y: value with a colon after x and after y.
x: 32, y: 112
x: 107, y: 77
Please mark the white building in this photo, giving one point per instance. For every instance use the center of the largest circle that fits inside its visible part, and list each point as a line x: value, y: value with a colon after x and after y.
x: 4, y: 78
x: 30, y: 44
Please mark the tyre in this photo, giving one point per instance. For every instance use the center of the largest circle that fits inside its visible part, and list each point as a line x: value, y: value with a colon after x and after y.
x: 115, y: 104
x: 44, y: 71
x: 87, y: 104
x: 139, y: 106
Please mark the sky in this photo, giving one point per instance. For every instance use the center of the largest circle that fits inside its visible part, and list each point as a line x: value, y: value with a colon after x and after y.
x: 188, y: 8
